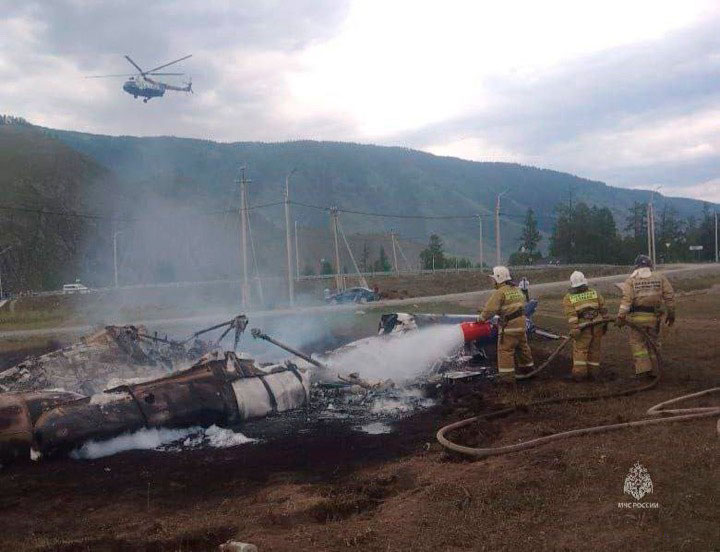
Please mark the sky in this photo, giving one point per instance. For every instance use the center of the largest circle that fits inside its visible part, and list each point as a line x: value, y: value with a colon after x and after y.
x: 626, y: 92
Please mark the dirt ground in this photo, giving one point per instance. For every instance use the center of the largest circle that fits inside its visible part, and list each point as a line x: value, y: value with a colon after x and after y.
x: 336, y: 489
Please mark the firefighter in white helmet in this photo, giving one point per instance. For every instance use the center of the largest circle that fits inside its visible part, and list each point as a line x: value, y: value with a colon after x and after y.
x: 582, y: 305
x: 508, y: 303
x: 646, y: 295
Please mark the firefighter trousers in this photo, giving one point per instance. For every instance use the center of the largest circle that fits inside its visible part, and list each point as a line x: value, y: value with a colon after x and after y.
x: 587, y: 350
x: 511, y: 345
x: 638, y: 348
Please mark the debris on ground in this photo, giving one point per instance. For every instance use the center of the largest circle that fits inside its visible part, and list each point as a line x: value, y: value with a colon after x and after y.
x: 234, y: 546
x: 114, y: 352
x: 219, y: 390
x: 120, y: 381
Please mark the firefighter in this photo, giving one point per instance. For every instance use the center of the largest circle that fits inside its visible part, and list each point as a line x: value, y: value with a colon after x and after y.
x: 508, y: 303
x: 524, y: 286
x: 582, y: 305
x: 646, y: 296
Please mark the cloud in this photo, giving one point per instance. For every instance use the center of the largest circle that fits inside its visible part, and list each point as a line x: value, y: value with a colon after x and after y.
x: 644, y: 113
x: 626, y: 92
x: 706, y: 191
x: 241, y: 53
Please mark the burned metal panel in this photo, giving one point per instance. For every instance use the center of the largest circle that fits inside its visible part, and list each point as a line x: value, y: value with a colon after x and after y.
x: 70, y: 425
x: 15, y: 429
x: 39, y: 402
x: 115, y: 352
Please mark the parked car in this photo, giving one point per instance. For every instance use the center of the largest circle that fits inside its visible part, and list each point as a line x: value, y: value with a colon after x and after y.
x: 77, y: 287
x: 353, y: 295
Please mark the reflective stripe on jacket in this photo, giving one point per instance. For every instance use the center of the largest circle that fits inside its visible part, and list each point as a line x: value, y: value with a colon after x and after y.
x: 504, y: 301
x: 645, y: 288
x: 583, y: 306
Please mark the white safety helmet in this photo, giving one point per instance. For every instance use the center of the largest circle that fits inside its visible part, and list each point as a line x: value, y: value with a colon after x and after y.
x: 500, y: 274
x: 577, y: 279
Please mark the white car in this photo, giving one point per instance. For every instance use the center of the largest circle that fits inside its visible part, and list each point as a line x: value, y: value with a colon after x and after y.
x: 75, y: 288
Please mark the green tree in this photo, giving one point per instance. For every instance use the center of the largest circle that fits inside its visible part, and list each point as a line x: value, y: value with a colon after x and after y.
x: 585, y: 234
x: 636, y: 223
x: 382, y: 264
x: 365, y: 258
x: 326, y: 267
x: 561, y: 240
x: 433, y: 256
x: 670, y: 237
x: 530, y: 237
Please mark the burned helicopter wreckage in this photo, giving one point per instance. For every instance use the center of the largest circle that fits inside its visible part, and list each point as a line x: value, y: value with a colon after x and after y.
x: 220, y: 388
x: 113, y: 354
x: 227, y: 390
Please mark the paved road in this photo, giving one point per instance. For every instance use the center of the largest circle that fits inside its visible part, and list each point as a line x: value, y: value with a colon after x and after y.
x: 471, y: 298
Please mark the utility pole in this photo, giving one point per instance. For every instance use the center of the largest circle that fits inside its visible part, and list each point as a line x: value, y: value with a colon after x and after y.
x: 716, y: 237
x: 288, y: 245
x: 498, y: 255
x: 297, y: 253
x: 649, y: 230
x: 395, y: 263
x: 651, y: 226
x: 243, y: 225
x: 480, y: 226
x: 652, y: 235
x: 338, y: 275
x: 115, y: 263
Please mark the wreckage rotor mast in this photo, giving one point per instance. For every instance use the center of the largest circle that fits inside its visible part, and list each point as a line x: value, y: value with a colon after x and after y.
x: 258, y: 334
x: 239, y: 323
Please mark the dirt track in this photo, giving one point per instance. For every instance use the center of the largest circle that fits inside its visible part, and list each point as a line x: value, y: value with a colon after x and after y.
x: 336, y: 489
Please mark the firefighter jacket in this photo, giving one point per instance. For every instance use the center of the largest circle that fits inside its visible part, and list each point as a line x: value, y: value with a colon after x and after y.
x: 508, y: 302
x: 646, y: 291
x: 582, y: 306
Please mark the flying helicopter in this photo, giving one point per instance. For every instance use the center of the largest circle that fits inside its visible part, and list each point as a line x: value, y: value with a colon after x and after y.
x: 140, y: 83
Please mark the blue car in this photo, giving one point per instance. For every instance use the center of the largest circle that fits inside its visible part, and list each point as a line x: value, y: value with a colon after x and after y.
x: 352, y: 295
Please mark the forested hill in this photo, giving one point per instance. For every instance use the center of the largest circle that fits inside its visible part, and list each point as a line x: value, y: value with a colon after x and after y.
x: 172, y: 204
x: 359, y: 177
x: 40, y: 176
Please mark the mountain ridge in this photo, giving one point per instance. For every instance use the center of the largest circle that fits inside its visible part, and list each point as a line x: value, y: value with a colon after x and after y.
x: 170, y: 178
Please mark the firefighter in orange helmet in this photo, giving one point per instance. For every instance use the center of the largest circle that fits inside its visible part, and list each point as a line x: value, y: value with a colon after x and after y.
x: 582, y: 305
x: 646, y: 296
x: 508, y: 303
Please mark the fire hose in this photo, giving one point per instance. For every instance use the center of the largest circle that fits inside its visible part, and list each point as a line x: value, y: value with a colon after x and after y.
x: 673, y: 415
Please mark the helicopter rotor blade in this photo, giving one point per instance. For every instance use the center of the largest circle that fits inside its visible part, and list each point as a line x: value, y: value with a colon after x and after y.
x: 167, y: 74
x: 107, y: 76
x: 165, y: 65
x: 136, y: 65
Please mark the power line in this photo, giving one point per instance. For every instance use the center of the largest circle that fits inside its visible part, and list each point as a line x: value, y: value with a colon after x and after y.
x: 95, y: 216
x: 385, y: 215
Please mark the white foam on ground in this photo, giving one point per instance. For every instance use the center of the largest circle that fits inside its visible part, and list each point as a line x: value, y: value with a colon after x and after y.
x: 217, y: 437
x: 401, y: 357
x: 156, y: 438
x: 376, y: 428
x: 404, y: 401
